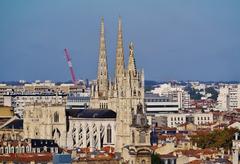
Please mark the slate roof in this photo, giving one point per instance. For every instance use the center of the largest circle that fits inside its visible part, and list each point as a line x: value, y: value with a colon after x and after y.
x: 15, y: 124
x: 43, y: 142
x: 91, y: 113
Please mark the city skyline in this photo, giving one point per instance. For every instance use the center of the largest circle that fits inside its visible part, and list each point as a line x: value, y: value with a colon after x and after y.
x: 169, y: 38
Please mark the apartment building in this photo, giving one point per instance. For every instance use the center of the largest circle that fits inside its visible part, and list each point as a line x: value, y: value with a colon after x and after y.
x: 229, y: 97
x: 176, y: 119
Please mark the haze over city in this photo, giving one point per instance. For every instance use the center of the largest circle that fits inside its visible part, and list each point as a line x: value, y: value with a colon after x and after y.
x: 182, y: 40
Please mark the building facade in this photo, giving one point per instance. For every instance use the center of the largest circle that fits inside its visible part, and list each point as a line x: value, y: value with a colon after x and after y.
x: 20, y: 101
x: 156, y: 104
x: 91, y: 128
x: 176, y: 119
x: 229, y: 97
x: 175, y: 92
x: 45, y: 122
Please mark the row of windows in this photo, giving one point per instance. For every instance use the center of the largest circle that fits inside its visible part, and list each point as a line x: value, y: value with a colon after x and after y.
x: 202, y: 122
x: 176, y: 118
x: 203, y: 118
x: 182, y: 118
x: 78, y: 100
x: 103, y: 105
x: 199, y: 122
x: 156, y: 100
x: 12, y: 149
x: 39, y: 98
x: 6, y: 150
x: 181, y: 122
x: 162, y: 106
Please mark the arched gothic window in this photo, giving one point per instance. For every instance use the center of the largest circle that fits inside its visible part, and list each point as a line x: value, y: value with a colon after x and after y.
x: 56, y: 134
x: 56, y: 117
x: 109, y: 134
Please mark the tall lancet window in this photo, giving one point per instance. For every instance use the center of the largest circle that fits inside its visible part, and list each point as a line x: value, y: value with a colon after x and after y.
x: 56, y: 117
x: 133, y: 137
x: 142, y: 137
x: 109, y: 134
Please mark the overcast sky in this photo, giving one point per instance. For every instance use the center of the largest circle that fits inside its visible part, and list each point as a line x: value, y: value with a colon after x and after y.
x: 173, y: 40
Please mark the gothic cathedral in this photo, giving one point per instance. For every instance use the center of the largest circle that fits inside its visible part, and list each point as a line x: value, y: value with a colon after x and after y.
x: 124, y: 95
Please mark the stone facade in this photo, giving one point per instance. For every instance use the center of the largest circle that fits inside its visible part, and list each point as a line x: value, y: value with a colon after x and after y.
x: 139, y: 149
x: 45, y: 122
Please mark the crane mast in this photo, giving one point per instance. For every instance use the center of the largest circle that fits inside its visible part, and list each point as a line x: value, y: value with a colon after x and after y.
x: 70, y: 66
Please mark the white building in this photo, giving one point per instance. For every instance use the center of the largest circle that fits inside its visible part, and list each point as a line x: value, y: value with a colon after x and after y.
x: 19, y: 101
x: 77, y: 102
x: 160, y: 104
x: 229, y: 97
x: 177, y: 94
x: 175, y: 119
x: 4, y: 89
x: 198, y: 86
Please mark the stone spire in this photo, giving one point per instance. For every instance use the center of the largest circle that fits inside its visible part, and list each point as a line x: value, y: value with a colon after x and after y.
x: 102, y: 63
x: 131, y: 62
x: 119, y: 67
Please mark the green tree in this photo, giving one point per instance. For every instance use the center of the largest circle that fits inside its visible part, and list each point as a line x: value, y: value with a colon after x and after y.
x: 215, y: 139
x: 213, y: 92
x: 155, y: 159
x: 194, y: 93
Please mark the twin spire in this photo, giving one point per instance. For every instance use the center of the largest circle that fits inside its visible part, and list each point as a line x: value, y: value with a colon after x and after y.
x: 119, y: 65
x: 102, y: 63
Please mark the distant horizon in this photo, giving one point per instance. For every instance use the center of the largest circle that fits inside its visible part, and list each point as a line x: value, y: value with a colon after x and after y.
x: 158, y: 81
x: 172, y: 39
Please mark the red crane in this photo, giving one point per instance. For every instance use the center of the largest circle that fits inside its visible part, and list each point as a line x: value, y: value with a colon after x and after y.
x: 70, y: 66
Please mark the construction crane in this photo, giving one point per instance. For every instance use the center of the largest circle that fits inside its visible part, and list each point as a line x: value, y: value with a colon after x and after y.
x: 70, y: 66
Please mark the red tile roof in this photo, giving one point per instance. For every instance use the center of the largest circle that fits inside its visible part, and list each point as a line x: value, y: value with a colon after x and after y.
x: 108, y: 149
x: 27, y: 157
